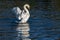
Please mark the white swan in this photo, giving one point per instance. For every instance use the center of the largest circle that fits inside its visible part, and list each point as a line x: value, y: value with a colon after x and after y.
x: 22, y: 15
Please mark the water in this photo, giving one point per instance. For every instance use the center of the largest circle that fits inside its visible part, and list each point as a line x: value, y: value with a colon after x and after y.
x: 38, y: 27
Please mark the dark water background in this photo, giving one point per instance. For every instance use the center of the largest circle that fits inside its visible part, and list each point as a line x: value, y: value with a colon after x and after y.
x: 43, y: 24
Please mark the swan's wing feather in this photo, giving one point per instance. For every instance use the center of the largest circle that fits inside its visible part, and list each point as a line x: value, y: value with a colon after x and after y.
x: 17, y: 11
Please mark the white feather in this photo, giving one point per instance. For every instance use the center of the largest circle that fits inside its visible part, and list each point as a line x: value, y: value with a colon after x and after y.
x: 21, y: 14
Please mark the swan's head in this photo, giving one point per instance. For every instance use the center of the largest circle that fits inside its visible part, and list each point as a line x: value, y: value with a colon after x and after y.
x: 27, y: 6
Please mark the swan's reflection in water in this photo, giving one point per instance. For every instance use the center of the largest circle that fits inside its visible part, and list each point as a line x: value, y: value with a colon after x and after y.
x: 23, y: 31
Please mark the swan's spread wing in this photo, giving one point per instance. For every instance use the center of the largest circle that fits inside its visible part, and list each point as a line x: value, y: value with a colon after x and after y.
x: 17, y: 11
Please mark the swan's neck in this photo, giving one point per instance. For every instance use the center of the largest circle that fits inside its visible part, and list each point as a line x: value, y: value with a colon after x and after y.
x: 25, y: 9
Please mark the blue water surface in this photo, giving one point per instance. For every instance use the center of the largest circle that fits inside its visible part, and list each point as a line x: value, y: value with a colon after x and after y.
x: 41, y: 28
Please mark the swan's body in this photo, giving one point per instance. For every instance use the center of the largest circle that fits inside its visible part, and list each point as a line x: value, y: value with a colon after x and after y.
x: 22, y: 15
